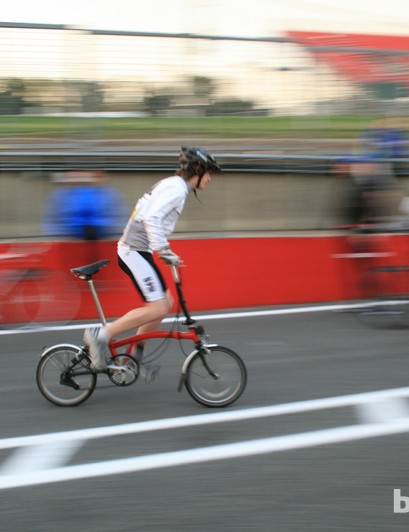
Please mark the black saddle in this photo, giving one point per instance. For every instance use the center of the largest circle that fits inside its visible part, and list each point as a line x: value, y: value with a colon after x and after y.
x: 86, y: 272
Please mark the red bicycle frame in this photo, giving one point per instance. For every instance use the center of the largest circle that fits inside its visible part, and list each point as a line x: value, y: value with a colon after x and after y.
x: 131, y: 341
x: 195, y: 331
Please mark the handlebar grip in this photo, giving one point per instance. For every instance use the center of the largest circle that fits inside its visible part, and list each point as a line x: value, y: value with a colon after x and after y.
x: 175, y: 273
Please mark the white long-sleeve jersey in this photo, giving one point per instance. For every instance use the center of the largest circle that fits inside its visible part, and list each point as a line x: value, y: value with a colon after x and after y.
x: 155, y: 215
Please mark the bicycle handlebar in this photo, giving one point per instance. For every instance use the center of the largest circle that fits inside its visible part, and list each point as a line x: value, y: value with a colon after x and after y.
x: 175, y: 273
x: 182, y: 301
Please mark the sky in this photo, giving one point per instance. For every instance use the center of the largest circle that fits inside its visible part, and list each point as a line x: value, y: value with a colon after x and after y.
x: 218, y: 17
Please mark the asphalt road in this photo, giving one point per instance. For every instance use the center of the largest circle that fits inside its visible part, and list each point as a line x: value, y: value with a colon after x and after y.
x: 301, y: 485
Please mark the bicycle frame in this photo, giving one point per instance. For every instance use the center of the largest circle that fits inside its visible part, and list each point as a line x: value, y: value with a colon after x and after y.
x: 194, y: 334
x: 131, y: 341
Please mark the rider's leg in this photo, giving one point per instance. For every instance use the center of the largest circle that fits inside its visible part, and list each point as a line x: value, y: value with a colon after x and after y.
x: 98, y: 339
x: 148, y: 280
x: 147, y: 316
x: 151, y: 326
x: 154, y: 325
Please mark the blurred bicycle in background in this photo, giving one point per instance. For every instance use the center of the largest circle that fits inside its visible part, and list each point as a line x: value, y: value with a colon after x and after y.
x: 32, y: 293
x: 381, y: 276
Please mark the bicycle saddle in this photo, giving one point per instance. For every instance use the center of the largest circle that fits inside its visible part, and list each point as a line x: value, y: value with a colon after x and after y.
x: 86, y: 272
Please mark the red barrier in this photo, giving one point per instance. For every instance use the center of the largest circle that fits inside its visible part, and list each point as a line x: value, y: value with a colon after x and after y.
x: 219, y: 274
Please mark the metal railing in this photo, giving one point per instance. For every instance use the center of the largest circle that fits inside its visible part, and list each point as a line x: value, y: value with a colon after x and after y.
x: 132, y: 161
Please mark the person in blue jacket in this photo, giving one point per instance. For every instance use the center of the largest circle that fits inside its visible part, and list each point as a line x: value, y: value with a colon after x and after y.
x: 84, y: 208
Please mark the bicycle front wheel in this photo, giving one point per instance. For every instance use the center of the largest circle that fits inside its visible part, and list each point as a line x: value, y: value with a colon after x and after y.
x: 64, y: 376
x: 216, y: 376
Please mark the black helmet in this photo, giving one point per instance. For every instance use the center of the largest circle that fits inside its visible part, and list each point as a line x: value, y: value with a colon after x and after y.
x: 190, y: 156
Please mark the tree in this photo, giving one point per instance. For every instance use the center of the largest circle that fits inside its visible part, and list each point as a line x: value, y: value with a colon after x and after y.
x: 203, y: 88
x: 92, y: 97
x: 12, y: 98
x: 231, y: 106
x: 157, y: 103
x: 386, y: 90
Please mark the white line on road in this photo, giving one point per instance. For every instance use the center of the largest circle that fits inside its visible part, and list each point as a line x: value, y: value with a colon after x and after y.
x: 40, y: 457
x: 382, y: 411
x: 206, y: 419
x: 16, y: 476
x: 31, y: 329
x: 206, y: 454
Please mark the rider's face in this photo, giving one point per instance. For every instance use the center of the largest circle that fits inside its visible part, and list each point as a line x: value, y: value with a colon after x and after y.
x: 205, y: 180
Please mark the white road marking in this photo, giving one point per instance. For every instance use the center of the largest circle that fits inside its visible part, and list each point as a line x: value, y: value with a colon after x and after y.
x: 206, y: 419
x: 33, y: 328
x: 26, y: 473
x: 389, y: 409
x: 206, y: 454
x: 40, y: 457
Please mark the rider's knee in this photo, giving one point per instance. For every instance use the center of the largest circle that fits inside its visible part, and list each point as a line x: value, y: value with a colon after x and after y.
x: 161, y: 308
x: 170, y: 300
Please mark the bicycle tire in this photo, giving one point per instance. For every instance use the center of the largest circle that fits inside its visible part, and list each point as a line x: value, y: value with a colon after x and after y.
x: 220, y: 383
x: 26, y: 304
x: 62, y: 302
x: 387, y: 306
x: 20, y: 305
x: 387, y: 314
x: 64, y: 376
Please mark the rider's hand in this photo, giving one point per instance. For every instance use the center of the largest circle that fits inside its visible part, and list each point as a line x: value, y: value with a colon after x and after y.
x: 167, y: 255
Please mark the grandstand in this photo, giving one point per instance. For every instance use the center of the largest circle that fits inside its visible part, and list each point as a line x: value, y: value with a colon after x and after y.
x: 377, y: 63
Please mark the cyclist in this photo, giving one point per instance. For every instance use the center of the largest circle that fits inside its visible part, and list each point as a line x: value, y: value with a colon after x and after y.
x: 152, y: 221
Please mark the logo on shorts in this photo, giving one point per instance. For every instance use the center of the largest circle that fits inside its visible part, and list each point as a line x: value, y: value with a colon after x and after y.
x: 149, y: 284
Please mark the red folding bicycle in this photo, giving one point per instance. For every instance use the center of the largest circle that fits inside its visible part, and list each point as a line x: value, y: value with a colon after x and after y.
x: 213, y: 375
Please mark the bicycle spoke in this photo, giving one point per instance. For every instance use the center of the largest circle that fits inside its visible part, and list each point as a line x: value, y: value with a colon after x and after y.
x: 59, y: 380
x: 216, y: 377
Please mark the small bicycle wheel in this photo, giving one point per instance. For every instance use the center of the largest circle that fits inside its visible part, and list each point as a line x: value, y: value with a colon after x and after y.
x: 62, y: 301
x: 28, y: 304
x: 215, y: 376
x: 388, y: 304
x: 64, y: 376
x: 20, y: 305
x: 127, y: 372
x: 392, y: 314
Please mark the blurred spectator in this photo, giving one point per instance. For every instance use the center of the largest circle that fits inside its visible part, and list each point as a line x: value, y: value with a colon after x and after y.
x: 378, y: 189
x: 386, y: 139
x: 375, y: 193
x: 84, y: 207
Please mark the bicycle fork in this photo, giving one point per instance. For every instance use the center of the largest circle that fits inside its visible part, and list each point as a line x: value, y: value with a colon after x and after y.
x: 199, y: 350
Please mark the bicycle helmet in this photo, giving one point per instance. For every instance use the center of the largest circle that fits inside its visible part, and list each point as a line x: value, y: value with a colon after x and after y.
x: 197, y: 160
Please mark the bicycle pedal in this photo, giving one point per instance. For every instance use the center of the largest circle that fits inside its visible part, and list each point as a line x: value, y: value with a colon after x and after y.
x: 149, y: 372
x: 117, y: 368
x: 69, y: 381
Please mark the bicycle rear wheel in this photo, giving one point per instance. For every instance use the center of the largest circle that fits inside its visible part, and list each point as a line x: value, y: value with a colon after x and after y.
x: 64, y: 376
x: 388, y: 314
x: 215, y: 376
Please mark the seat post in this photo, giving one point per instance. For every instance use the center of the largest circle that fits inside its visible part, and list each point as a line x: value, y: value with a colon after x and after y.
x: 96, y: 301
